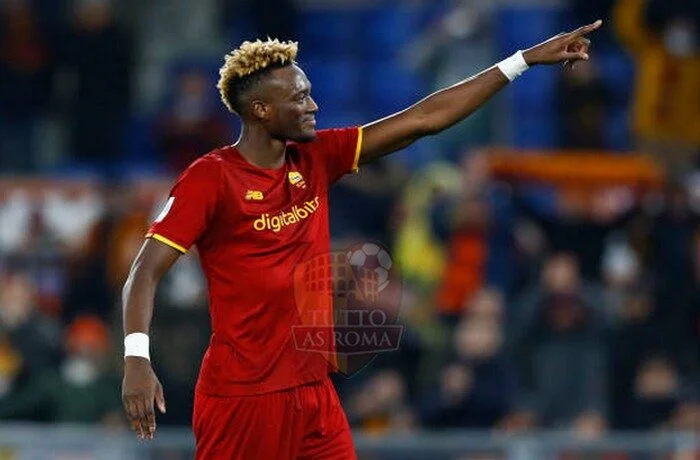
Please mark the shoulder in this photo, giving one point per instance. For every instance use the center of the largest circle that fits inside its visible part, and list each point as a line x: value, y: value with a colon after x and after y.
x: 327, y: 139
x: 206, y: 166
x: 335, y: 134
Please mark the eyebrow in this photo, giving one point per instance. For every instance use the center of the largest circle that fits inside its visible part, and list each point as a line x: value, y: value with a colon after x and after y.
x: 301, y: 91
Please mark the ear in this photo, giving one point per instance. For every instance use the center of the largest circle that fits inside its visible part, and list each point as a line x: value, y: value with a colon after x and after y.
x: 259, y: 109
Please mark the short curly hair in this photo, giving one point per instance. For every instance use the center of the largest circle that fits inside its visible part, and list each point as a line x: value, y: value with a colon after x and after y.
x: 244, y: 67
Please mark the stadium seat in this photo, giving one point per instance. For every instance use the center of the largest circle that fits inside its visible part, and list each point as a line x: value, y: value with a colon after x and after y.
x: 391, y: 87
x: 340, y: 118
x: 617, y: 72
x: 335, y: 83
x: 138, y: 142
x: 387, y: 29
x: 522, y: 26
x: 329, y: 32
x: 535, y: 130
x: 536, y: 90
x: 617, y: 128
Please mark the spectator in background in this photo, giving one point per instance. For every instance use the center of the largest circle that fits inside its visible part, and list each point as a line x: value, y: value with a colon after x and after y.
x: 10, y: 366
x: 687, y: 415
x: 73, y: 219
x: 177, y: 365
x: 633, y: 338
x: 663, y: 36
x: 26, y: 68
x: 690, y: 320
x: 418, y: 250
x: 658, y: 333
x: 463, y: 221
x: 380, y: 404
x: 621, y: 274
x: 191, y: 123
x: 98, y: 51
x: 468, y: 253
x: 458, y: 43
x: 478, y: 387
x: 34, y: 337
x: 672, y: 235
x: 583, y: 100
x: 579, y: 225
x: 377, y: 188
x: 16, y: 215
x: 655, y: 395
x: 558, y: 337
x: 132, y: 209
x: 674, y: 261
x: 81, y: 390
x: 131, y: 212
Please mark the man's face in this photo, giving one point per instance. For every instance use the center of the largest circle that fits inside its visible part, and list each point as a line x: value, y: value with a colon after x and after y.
x: 290, y: 109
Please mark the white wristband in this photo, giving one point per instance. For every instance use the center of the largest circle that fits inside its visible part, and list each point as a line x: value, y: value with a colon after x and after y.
x: 513, y: 66
x: 137, y: 344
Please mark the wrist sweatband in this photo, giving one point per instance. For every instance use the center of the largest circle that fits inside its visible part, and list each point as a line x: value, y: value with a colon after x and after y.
x: 137, y: 344
x: 513, y: 66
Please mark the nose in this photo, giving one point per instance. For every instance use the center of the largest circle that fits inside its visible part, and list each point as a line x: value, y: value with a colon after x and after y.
x: 312, y: 106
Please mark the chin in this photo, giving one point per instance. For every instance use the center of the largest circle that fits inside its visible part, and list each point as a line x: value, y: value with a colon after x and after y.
x: 305, y: 136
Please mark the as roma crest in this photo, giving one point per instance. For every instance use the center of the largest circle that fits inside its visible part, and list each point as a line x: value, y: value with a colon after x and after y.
x: 296, y: 179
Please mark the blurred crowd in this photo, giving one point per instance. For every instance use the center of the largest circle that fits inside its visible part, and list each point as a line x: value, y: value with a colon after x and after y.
x: 587, y: 320
x: 525, y: 304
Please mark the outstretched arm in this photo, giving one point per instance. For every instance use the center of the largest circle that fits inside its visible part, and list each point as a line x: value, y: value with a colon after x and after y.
x: 446, y: 107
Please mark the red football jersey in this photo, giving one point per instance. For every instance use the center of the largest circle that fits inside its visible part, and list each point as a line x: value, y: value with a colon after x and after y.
x: 252, y: 227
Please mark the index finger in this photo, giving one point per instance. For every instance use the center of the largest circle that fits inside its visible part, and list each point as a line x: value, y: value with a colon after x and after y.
x: 150, y: 424
x: 583, y: 30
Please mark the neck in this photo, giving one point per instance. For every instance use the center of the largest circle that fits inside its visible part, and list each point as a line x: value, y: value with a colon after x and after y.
x: 258, y: 148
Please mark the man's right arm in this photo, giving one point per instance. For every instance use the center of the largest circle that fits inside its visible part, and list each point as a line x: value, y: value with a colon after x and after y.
x: 141, y: 388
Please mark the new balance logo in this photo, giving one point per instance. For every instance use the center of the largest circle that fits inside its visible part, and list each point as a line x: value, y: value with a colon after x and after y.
x: 254, y: 195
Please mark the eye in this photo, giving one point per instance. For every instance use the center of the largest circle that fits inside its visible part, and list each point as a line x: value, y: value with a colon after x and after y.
x: 303, y: 96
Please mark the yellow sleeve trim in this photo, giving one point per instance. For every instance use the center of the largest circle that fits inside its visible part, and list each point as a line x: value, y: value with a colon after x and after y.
x: 164, y: 240
x: 358, y: 150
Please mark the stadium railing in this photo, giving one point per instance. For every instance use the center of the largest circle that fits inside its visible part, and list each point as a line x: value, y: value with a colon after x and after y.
x: 19, y: 442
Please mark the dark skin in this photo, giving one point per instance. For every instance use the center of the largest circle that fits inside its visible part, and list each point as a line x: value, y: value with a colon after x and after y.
x: 279, y: 109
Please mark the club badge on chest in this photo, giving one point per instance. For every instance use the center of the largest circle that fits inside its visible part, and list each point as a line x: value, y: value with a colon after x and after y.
x: 296, y: 179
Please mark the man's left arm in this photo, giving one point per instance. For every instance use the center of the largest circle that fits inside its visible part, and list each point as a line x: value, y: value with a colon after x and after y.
x: 446, y: 107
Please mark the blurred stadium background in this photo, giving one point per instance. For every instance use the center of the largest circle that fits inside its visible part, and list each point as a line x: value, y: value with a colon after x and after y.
x: 549, y: 245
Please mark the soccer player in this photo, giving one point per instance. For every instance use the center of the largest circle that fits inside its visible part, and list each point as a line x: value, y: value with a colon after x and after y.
x: 255, y: 210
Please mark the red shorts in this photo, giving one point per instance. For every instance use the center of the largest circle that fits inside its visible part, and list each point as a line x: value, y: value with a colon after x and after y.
x: 305, y: 422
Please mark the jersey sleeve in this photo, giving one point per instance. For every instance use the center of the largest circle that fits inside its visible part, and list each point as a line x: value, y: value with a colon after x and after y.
x: 190, y: 206
x: 340, y: 151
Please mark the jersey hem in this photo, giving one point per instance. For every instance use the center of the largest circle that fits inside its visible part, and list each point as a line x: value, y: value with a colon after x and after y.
x: 254, y: 390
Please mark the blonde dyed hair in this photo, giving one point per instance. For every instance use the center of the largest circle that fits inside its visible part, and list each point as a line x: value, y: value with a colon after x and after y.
x: 247, y: 60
